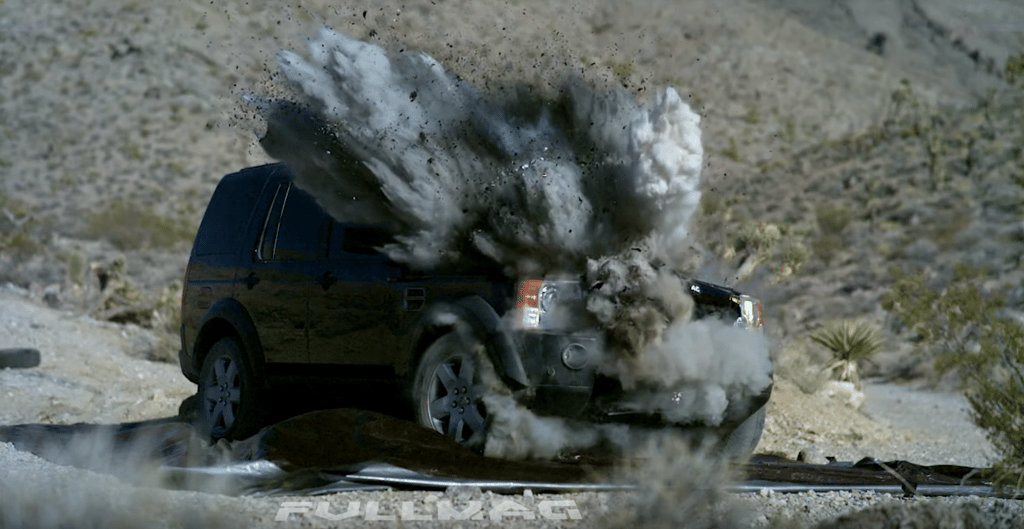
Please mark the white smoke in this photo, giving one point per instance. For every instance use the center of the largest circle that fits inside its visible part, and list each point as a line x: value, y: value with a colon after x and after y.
x: 694, y: 370
x: 591, y: 184
x: 536, y: 185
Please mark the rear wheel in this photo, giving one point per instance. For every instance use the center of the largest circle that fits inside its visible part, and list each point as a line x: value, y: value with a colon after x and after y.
x: 448, y: 392
x: 228, y: 396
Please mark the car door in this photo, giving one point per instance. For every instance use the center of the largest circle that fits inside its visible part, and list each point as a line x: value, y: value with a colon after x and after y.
x: 359, y: 315
x: 281, y: 280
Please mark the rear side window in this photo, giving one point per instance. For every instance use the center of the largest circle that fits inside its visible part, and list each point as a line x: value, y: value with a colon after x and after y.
x: 226, y: 216
x: 295, y: 227
x: 347, y: 239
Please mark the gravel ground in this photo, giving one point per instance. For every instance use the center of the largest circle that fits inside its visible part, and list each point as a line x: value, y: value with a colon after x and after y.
x: 88, y: 374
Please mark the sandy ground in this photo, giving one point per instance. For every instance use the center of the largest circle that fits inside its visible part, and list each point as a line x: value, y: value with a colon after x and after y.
x: 88, y: 374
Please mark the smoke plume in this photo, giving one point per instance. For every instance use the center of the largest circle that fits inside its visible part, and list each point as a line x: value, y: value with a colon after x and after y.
x: 537, y: 185
x: 590, y: 183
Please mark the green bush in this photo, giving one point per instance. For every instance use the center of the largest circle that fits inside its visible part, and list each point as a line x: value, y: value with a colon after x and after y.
x: 964, y: 329
x: 18, y: 227
x: 1014, y: 69
x: 832, y: 220
x: 850, y: 342
x: 76, y: 269
x: 758, y: 238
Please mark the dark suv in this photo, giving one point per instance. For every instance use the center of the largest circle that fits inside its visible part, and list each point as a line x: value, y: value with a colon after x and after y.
x: 276, y: 286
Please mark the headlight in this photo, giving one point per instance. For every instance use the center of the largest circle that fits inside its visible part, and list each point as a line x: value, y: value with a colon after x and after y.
x: 751, y: 316
x: 539, y: 302
x: 546, y: 296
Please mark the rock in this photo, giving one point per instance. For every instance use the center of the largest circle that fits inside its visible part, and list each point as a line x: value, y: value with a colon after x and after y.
x: 812, y: 455
x: 51, y: 296
x: 19, y: 358
x: 846, y: 392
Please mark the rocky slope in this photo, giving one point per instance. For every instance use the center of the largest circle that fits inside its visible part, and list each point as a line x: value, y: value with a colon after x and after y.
x: 840, y: 140
x: 119, y: 116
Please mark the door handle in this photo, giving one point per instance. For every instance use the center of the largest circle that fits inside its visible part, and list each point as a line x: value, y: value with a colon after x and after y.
x: 251, y: 280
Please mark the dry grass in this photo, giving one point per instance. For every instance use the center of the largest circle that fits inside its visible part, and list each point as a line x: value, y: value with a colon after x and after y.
x: 128, y: 225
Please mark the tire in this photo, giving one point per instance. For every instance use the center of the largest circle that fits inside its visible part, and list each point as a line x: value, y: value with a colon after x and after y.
x: 19, y: 358
x: 740, y: 444
x: 447, y: 392
x: 228, y: 394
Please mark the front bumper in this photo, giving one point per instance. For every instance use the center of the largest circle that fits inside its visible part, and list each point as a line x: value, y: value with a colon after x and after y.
x: 619, y: 407
x: 561, y: 369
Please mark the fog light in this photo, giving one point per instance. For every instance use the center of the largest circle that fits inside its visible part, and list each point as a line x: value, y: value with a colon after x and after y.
x: 575, y: 356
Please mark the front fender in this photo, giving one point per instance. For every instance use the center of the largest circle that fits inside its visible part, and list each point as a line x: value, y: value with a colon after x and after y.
x: 226, y: 317
x: 487, y: 324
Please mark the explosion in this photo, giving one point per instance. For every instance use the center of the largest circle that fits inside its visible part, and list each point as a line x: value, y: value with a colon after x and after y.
x: 536, y: 185
x: 589, y: 184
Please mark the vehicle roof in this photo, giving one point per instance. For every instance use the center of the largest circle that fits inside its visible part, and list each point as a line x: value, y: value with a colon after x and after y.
x: 259, y: 173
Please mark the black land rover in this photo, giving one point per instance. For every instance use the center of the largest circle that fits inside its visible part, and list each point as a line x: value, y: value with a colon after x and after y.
x: 275, y: 286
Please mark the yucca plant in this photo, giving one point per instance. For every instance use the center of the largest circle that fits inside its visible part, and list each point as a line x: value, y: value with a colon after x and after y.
x: 850, y: 342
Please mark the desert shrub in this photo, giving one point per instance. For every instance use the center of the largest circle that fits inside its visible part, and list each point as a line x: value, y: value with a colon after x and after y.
x: 76, y: 269
x: 710, y: 205
x: 122, y: 301
x: 167, y: 308
x: 1014, y: 68
x: 794, y: 255
x: 832, y: 220
x: 16, y: 227
x: 945, y: 228
x: 732, y: 152
x: 166, y: 322
x: 849, y: 342
x: 758, y: 238
x: 964, y: 328
x: 779, y: 247
x: 128, y: 226
x: 20, y: 241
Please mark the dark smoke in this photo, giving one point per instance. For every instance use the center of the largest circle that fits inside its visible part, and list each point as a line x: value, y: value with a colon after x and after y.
x: 589, y: 184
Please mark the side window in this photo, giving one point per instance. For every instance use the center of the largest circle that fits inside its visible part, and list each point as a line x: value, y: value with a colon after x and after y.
x: 294, y: 227
x: 226, y: 215
x: 265, y: 249
x: 353, y: 239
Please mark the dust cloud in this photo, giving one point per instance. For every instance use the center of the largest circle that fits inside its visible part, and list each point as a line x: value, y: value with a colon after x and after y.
x: 538, y: 185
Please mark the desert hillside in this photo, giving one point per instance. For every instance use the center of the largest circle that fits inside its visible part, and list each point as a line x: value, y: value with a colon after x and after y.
x: 118, y: 118
x: 843, y: 141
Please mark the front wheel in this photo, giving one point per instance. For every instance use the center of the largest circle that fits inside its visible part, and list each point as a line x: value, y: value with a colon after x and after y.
x: 448, y: 392
x: 228, y: 395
